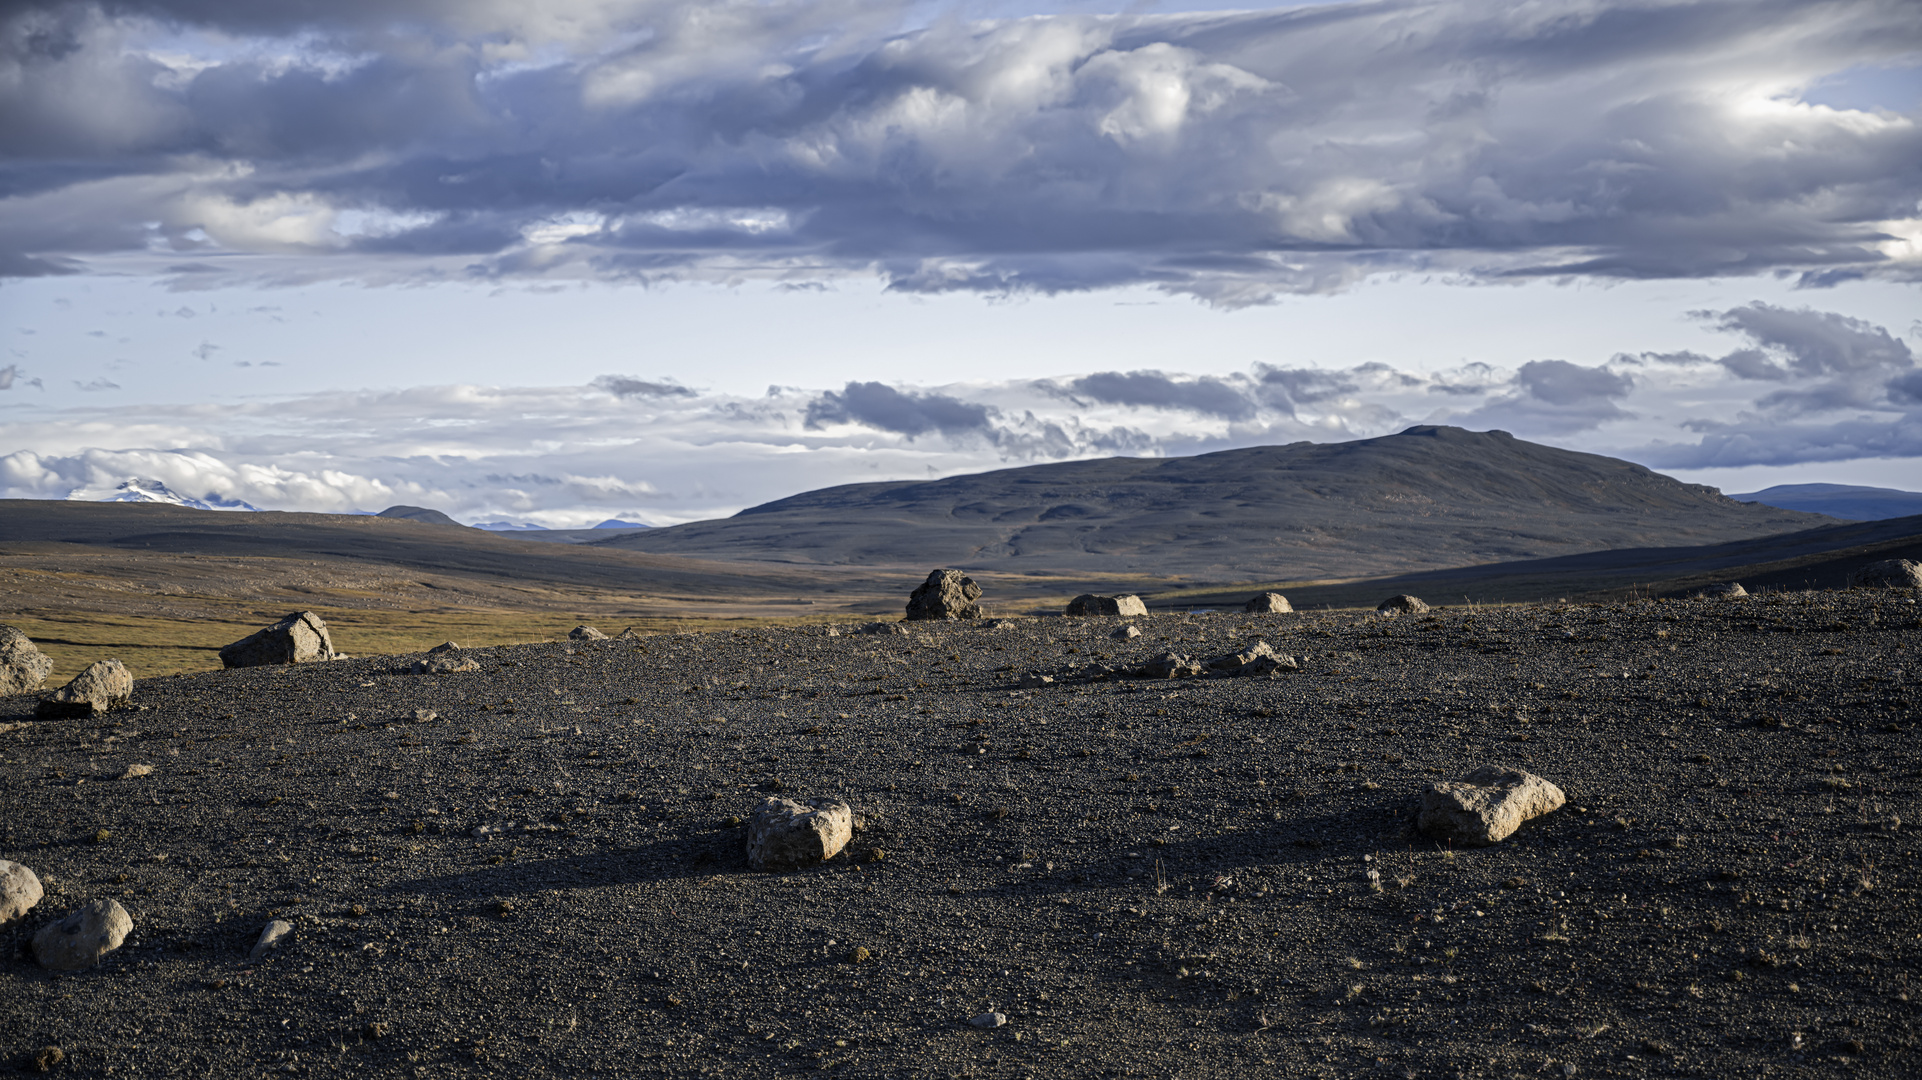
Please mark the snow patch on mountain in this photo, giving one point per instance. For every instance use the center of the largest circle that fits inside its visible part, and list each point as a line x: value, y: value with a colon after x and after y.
x: 137, y: 490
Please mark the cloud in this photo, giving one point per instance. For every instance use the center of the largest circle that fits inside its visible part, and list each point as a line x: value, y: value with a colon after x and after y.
x: 1207, y: 396
x: 625, y: 386
x: 1559, y: 382
x: 878, y: 405
x: 96, y: 384
x: 12, y: 373
x: 1233, y: 156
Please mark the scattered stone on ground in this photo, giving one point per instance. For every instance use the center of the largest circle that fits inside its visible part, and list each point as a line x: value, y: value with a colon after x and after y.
x: 947, y: 595
x: 1089, y: 604
x: 893, y: 628
x: 1036, y: 680
x: 784, y: 834
x: 444, y: 664
x: 425, y: 716
x: 135, y: 772
x: 1723, y: 590
x: 1486, y: 806
x: 271, y: 937
x: 48, y: 1057
x: 629, y: 634
x: 104, y: 686
x: 1125, y: 633
x: 300, y: 638
x: 585, y: 633
x: 1403, y: 604
x: 1004, y: 624
x: 1889, y: 574
x: 1268, y: 665
x: 444, y: 648
x: 1233, y: 662
x: 79, y: 940
x: 1268, y: 602
x: 1169, y: 666
x: 23, y: 667
x: 19, y: 891
x: 990, y: 1020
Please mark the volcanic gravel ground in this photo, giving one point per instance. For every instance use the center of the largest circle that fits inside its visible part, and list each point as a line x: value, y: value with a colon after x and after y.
x: 1195, y: 878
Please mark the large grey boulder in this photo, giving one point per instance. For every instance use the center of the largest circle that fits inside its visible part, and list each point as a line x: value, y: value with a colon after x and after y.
x: 105, y: 685
x: 1403, y: 604
x: 1888, y: 574
x: 23, y: 667
x: 1257, y: 659
x: 83, y: 937
x: 947, y: 594
x: 19, y: 891
x: 1267, y: 602
x: 1486, y: 806
x: 300, y: 638
x: 784, y: 834
x: 1090, y: 604
x: 1169, y: 666
x: 585, y: 633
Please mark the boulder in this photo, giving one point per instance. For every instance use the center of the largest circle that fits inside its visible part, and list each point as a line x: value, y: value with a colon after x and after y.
x: 23, y: 667
x: 104, y: 685
x: 1888, y: 574
x: 444, y: 648
x: 585, y: 633
x: 1257, y: 659
x: 1267, y: 602
x: 1268, y: 665
x: 1401, y: 605
x: 947, y: 594
x: 445, y: 664
x: 1486, y: 806
x: 1090, y: 604
x: 83, y: 937
x: 300, y: 638
x: 19, y: 891
x: 784, y: 834
x: 1722, y: 590
x: 1169, y: 666
x: 1125, y: 633
x: 893, y: 628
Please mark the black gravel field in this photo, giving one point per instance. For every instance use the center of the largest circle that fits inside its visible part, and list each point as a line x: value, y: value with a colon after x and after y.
x: 1187, y: 878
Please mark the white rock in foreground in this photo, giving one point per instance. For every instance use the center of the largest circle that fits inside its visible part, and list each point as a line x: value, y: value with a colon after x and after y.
x: 1486, y: 806
x: 989, y: 1020
x: 270, y: 938
x: 19, y: 891
x: 82, y: 938
x: 787, y: 835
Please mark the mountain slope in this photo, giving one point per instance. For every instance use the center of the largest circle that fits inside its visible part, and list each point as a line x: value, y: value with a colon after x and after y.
x: 1850, y: 501
x: 1427, y: 498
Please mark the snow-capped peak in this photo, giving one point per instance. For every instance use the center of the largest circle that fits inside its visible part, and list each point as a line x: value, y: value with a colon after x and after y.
x: 136, y: 490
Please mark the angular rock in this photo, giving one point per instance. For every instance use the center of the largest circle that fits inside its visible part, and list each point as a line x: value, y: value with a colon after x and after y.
x: 1888, y: 574
x: 1035, y: 681
x: 19, y: 891
x: 1090, y: 604
x: 300, y: 638
x: 1235, y: 661
x: 629, y: 634
x: 104, y: 685
x: 1125, y: 633
x: 1268, y: 602
x: 23, y: 667
x: 135, y: 772
x: 585, y: 633
x: 784, y: 834
x: 444, y: 648
x: 894, y: 628
x: 1268, y: 665
x: 1722, y: 590
x: 271, y: 937
x: 1004, y: 624
x: 83, y: 937
x: 1401, y: 605
x: 947, y: 594
x: 1169, y: 666
x: 989, y: 1020
x: 447, y: 664
x: 1486, y: 806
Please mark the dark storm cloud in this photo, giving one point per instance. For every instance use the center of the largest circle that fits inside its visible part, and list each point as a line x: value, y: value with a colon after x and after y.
x: 1152, y: 389
x: 1232, y: 156
x: 878, y: 405
x: 1559, y: 382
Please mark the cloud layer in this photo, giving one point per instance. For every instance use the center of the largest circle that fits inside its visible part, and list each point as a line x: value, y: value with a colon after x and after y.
x: 1795, y: 385
x: 1234, y: 157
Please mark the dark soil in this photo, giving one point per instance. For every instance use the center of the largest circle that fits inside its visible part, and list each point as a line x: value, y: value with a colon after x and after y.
x: 1201, y: 878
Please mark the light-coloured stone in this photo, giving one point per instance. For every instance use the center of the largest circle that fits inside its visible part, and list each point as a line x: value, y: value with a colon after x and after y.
x: 300, y: 638
x: 629, y: 634
x: 989, y: 1020
x: 884, y: 628
x: 1169, y: 666
x: 1235, y: 661
x: 103, y: 686
x: 425, y: 716
x: 1089, y: 604
x: 1888, y: 574
x: 271, y: 937
x: 1403, y: 604
x: 585, y: 633
x: 1035, y: 681
x: 448, y: 664
x: 444, y: 648
x: 1004, y: 624
x: 784, y: 834
x: 1267, y: 602
x: 1723, y: 590
x: 19, y: 891
x: 83, y: 937
x: 23, y: 667
x: 1268, y: 665
x: 1486, y: 806
x: 135, y: 772
x: 1125, y: 633
x: 947, y: 594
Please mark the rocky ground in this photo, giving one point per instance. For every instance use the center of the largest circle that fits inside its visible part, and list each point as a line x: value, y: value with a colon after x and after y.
x: 1188, y: 878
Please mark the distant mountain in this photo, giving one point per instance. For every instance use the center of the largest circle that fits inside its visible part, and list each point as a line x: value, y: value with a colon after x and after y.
x: 1839, y: 500
x: 136, y: 490
x: 508, y: 526
x: 417, y: 513
x: 1427, y: 498
x: 616, y: 523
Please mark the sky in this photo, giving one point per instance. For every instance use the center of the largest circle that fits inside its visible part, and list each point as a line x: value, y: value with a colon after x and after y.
x: 660, y: 260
